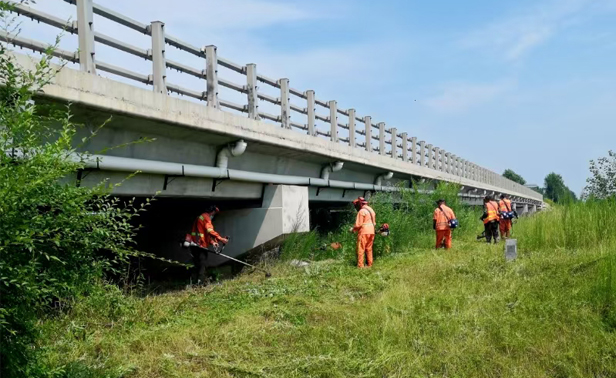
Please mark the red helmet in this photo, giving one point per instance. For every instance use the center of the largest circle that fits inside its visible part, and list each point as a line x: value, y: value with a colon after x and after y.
x: 361, y: 201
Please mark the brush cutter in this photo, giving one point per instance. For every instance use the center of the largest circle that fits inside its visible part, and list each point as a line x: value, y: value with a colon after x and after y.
x: 218, y: 251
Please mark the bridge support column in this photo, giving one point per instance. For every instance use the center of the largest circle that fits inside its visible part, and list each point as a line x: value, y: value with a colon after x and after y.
x: 284, y: 210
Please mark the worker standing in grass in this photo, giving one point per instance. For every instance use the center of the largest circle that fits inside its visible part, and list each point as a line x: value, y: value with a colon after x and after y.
x: 204, y: 235
x: 365, y: 224
x: 505, y: 223
x: 442, y: 216
x: 490, y: 219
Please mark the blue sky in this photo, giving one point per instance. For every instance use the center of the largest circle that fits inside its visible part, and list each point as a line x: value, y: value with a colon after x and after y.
x: 527, y: 85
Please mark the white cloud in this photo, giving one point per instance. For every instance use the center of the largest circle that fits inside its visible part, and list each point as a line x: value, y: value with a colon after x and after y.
x: 460, y: 97
x: 514, y: 37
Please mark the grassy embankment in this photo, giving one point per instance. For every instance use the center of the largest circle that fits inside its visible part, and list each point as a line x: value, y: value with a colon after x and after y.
x: 461, y: 313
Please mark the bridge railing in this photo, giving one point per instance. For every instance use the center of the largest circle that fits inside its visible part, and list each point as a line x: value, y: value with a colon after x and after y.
x: 356, y: 132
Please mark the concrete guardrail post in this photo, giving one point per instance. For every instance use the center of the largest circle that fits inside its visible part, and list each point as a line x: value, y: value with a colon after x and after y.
x: 352, y: 128
x: 405, y: 147
x: 252, y: 91
x: 430, y: 151
x: 85, y: 29
x: 333, y: 120
x: 285, y: 105
x: 368, y: 132
x: 211, y: 76
x: 394, y: 143
x: 310, y: 110
x: 422, y: 153
x: 159, y: 66
x: 382, y: 138
x: 414, y: 150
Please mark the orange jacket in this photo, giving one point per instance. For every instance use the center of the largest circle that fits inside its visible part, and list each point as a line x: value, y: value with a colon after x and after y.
x: 491, y: 211
x: 203, y: 231
x: 365, y: 221
x: 504, y: 205
x: 442, y: 223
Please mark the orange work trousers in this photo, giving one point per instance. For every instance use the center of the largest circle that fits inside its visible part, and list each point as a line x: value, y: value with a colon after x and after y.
x: 443, y: 235
x: 364, y: 245
x: 505, y: 228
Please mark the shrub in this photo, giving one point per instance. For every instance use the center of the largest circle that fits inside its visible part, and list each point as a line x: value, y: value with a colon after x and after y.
x: 51, y: 231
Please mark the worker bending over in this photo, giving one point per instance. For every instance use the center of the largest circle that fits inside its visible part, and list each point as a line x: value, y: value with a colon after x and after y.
x: 364, y: 226
x: 442, y: 216
x: 490, y: 219
x: 505, y: 223
x: 204, y: 236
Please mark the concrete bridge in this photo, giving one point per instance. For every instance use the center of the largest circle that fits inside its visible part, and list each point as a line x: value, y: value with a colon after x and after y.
x: 271, y: 167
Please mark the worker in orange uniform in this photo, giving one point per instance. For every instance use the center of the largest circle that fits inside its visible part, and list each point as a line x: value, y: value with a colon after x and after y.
x: 490, y: 219
x: 364, y: 226
x: 442, y: 215
x: 505, y: 224
x: 204, y: 236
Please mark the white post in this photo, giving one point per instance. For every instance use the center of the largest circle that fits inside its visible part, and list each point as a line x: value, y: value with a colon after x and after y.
x: 394, y: 143
x: 310, y: 110
x: 211, y: 73
x: 414, y: 150
x: 447, y: 162
x: 333, y: 120
x: 85, y: 29
x: 285, y: 109
x: 422, y: 153
x: 430, y: 156
x: 368, y: 132
x: 382, y: 138
x: 437, y: 155
x: 352, y: 128
x: 252, y: 91
x: 405, y: 147
x: 159, y: 66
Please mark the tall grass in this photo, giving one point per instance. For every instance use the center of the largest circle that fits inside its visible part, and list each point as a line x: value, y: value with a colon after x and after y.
x: 572, y: 226
x: 409, y: 215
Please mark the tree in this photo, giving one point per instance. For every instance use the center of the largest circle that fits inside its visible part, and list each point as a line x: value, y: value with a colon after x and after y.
x: 511, y: 175
x: 602, y: 183
x: 52, y: 232
x: 556, y: 190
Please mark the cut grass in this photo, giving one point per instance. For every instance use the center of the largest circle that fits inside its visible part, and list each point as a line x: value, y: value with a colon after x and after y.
x: 462, y: 313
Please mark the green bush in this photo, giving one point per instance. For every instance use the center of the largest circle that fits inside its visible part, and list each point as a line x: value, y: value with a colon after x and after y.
x: 52, y: 232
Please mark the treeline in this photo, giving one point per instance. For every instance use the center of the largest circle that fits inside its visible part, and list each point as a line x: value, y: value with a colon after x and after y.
x: 601, y: 184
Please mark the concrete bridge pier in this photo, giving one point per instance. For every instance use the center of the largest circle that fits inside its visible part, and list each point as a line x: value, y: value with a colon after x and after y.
x: 284, y: 211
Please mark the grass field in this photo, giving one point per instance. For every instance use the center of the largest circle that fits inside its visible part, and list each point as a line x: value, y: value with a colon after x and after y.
x: 460, y: 313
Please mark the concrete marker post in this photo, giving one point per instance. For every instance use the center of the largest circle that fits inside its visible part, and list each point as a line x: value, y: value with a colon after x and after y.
x: 414, y: 150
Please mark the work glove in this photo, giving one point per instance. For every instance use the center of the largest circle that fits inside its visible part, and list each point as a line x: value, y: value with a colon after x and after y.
x: 351, y: 230
x: 224, y: 240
